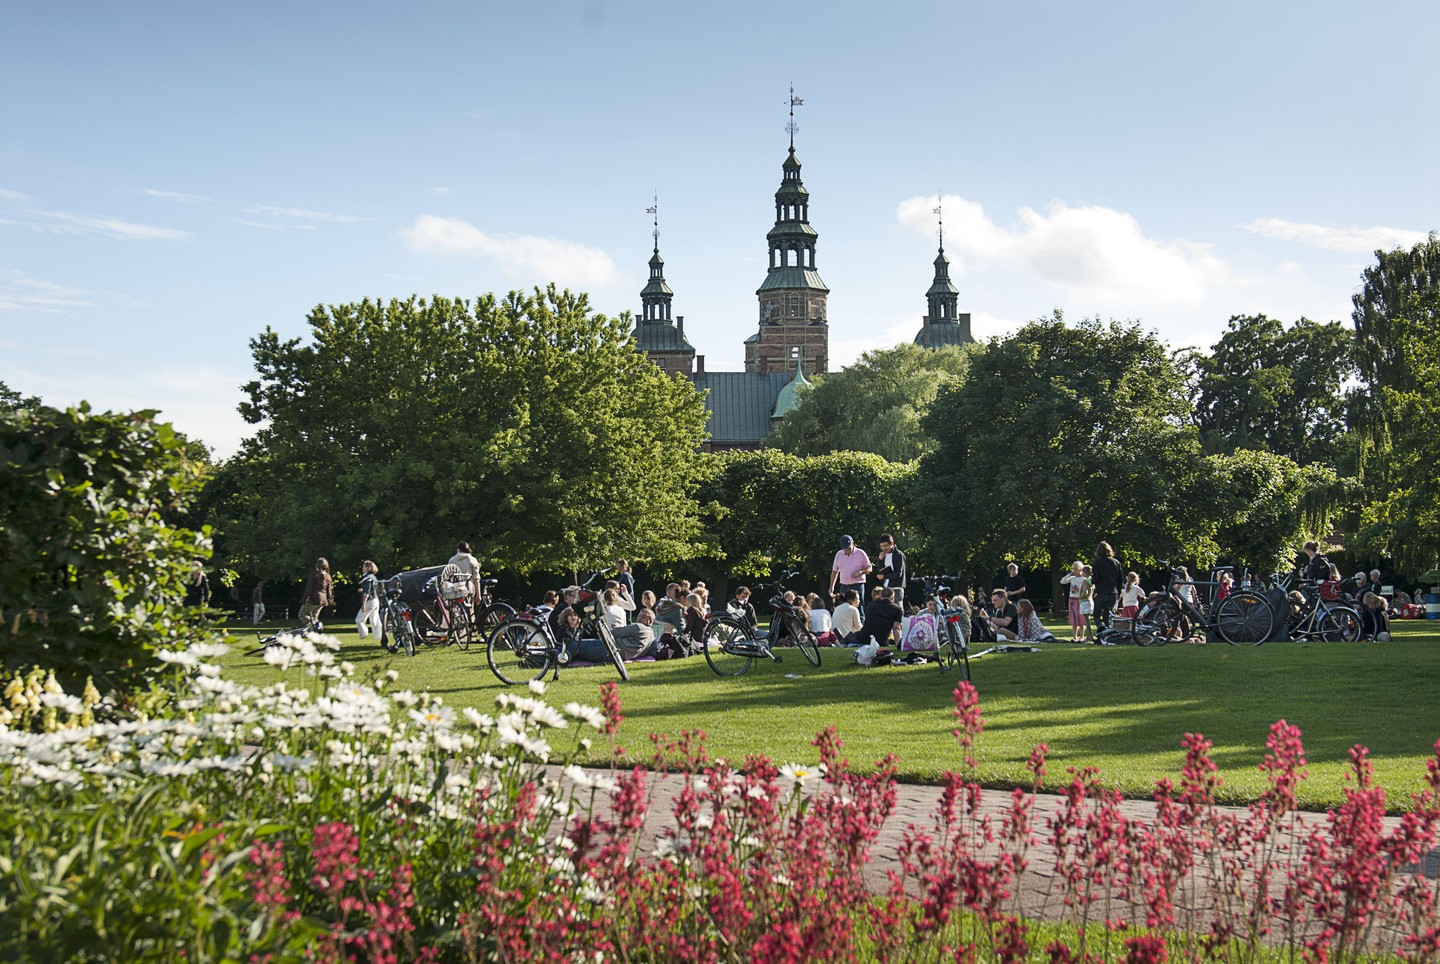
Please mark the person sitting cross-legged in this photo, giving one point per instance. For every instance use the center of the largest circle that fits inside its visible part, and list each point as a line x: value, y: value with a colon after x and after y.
x: 881, y: 618
x: 1002, y: 614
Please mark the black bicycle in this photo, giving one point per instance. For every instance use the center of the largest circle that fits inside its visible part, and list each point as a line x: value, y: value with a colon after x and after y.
x: 953, y: 646
x: 523, y: 647
x: 1243, y: 618
x: 309, y: 628
x: 397, y: 633
x: 731, y: 644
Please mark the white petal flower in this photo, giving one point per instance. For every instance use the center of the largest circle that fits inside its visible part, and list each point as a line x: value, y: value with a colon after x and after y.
x: 480, y: 721
x: 64, y: 702
x: 405, y: 698
x: 589, y: 714
x: 209, y: 650
x: 178, y: 659
x: 547, y: 715
x: 435, y: 717
x: 537, y: 687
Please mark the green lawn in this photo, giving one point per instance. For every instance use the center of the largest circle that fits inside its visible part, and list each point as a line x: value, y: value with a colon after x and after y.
x: 1122, y: 709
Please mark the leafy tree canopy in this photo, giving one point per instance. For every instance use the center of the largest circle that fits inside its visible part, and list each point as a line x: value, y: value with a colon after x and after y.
x: 874, y: 405
x: 526, y: 424
x: 92, y: 566
x: 1270, y: 388
x: 1062, y: 436
x: 1397, y: 324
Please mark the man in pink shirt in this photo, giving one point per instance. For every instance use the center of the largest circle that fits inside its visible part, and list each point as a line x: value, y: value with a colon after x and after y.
x: 849, y: 569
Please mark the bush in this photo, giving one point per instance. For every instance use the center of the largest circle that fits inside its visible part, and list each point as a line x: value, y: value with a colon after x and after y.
x: 92, y: 573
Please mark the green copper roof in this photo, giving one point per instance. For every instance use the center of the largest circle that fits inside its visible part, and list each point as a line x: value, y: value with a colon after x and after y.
x: 792, y: 277
x: 938, y: 334
x: 660, y: 336
x: 739, y: 404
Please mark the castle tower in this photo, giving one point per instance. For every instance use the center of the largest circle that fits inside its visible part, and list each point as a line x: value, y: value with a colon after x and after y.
x: 792, y: 298
x: 943, y: 324
x: 656, y: 333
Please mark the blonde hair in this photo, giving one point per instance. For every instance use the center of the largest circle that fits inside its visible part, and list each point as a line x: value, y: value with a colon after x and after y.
x: 369, y: 566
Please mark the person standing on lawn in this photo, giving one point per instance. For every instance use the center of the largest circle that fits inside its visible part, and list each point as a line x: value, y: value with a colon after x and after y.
x: 1108, y: 578
x: 319, y: 592
x: 1076, y: 581
x: 1014, y: 583
x: 891, y: 571
x: 849, y: 568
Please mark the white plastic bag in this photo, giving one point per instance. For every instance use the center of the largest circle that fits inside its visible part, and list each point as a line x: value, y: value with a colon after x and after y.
x: 865, y: 655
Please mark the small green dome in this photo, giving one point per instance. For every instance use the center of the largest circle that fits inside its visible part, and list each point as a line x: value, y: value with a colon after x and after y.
x: 789, y: 396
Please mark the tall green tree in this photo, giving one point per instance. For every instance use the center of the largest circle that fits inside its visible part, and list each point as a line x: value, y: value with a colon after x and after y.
x: 874, y: 405
x: 527, y: 424
x: 1266, y: 506
x: 1062, y: 436
x: 1269, y: 388
x: 1397, y: 325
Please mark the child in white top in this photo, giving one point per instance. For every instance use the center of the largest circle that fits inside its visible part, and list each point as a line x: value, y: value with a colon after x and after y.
x: 1131, y: 596
x: 820, y: 621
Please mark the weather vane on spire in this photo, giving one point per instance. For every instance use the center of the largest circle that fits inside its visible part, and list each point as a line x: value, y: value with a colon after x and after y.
x: 791, y: 127
x: 655, y: 210
x: 940, y: 218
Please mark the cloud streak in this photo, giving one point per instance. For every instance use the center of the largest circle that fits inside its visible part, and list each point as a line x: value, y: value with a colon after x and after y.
x: 176, y: 195
x: 301, y: 214
x: 563, y: 261
x: 87, y: 225
x: 1359, y: 240
x: 1089, y: 251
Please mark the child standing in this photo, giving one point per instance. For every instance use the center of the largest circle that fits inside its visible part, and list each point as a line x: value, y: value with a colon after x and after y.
x: 1076, y: 581
x: 368, y: 618
x: 1131, y: 596
x: 1087, y: 605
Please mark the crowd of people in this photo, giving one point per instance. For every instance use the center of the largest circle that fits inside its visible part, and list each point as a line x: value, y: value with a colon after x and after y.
x: 853, y: 611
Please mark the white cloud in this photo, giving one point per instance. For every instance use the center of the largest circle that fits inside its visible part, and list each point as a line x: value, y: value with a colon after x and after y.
x: 1090, y: 252
x: 300, y: 214
x: 562, y: 261
x: 13, y: 195
x: 440, y: 191
x: 175, y: 195
x: 1331, y: 238
x: 272, y: 226
x: 86, y: 225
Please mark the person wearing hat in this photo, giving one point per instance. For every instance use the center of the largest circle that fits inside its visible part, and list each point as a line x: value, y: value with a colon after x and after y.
x: 849, y: 568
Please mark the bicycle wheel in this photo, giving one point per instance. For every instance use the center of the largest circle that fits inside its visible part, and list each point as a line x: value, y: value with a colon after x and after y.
x: 389, y: 631
x: 728, y: 646
x: 428, y: 624
x: 602, y: 629
x: 1339, y: 625
x: 1160, y: 620
x: 461, y: 629
x: 519, y: 651
x: 490, y: 617
x: 805, y: 641
x: 1244, y: 619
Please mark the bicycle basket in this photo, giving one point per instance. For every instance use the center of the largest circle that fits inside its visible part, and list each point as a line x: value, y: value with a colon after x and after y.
x: 451, y: 590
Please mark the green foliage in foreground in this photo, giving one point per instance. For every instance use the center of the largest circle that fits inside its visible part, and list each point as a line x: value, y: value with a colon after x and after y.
x: 1121, y: 709
x: 92, y: 562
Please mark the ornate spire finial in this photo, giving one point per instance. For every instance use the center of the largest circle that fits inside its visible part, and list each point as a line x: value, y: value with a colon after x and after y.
x: 655, y: 210
x: 791, y: 127
x: 940, y: 218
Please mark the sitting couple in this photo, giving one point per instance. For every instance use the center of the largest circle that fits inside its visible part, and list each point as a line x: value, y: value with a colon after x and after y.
x: 1017, y: 621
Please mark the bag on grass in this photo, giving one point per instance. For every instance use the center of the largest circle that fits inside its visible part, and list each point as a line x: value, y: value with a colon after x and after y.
x: 865, y: 655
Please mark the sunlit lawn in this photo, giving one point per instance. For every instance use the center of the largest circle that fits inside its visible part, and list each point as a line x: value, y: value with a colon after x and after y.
x: 1121, y: 709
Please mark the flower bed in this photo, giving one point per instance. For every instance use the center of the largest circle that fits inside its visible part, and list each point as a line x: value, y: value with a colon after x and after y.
x: 339, y: 819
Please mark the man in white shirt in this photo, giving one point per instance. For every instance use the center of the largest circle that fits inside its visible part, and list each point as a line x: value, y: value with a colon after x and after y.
x: 846, y: 618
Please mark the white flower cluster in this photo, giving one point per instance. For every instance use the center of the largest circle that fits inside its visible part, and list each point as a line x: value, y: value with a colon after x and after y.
x: 291, y: 740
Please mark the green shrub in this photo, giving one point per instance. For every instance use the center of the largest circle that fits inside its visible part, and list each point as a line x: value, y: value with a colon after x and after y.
x: 92, y: 572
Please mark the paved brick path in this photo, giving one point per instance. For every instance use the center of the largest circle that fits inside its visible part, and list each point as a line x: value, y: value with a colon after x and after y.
x: 1040, y: 894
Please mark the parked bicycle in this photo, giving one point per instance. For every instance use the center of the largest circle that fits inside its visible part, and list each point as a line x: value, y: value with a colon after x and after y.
x: 1319, y: 618
x: 523, y: 647
x: 953, y: 648
x: 1243, y: 618
x: 442, y: 617
x: 310, y: 627
x: 397, y: 634
x: 731, y: 644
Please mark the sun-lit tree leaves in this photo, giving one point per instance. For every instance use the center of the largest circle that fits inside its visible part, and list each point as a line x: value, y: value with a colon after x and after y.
x: 874, y: 405
x: 526, y: 424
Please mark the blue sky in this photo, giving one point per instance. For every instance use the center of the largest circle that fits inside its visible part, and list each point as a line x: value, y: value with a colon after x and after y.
x: 176, y: 176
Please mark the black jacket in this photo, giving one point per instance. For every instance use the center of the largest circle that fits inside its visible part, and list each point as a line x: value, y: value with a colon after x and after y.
x: 1107, y: 575
x: 894, y: 576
